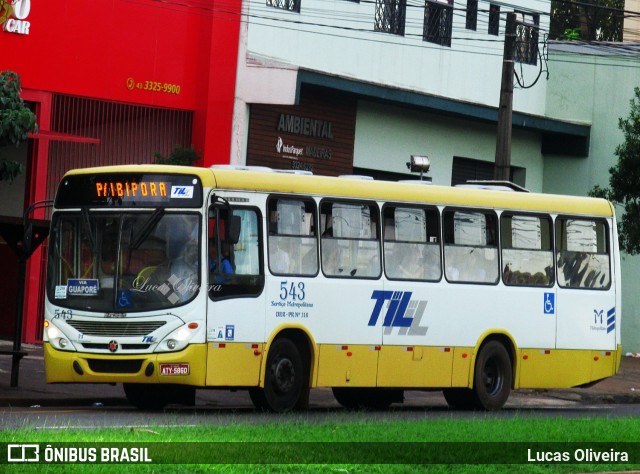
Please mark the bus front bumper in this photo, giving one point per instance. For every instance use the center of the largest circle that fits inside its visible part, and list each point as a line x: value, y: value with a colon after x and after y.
x: 185, y: 367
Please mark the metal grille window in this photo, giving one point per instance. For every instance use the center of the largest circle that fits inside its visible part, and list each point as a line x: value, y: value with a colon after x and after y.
x: 96, y: 133
x: 494, y: 20
x: 390, y: 16
x: 289, y: 5
x: 526, y: 50
x: 438, y: 17
x: 472, y: 15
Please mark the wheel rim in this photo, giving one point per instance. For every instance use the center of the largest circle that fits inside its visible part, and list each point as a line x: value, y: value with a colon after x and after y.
x: 492, y: 376
x: 283, y: 375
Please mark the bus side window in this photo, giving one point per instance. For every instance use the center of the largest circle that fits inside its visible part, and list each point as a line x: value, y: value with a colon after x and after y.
x: 349, y: 246
x: 583, y: 256
x: 527, y: 253
x: 471, y: 246
x: 411, y: 243
x: 292, y: 240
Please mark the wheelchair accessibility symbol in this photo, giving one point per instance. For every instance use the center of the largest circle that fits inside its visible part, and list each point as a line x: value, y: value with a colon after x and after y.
x: 549, y: 303
x: 124, y: 299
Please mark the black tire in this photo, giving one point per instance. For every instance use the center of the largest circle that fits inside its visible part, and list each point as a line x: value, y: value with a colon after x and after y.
x: 460, y: 398
x: 493, y: 377
x: 285, y: 378
x: 155, y: 397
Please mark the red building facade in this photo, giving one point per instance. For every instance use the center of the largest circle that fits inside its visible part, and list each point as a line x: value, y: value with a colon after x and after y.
x: 115, y: 83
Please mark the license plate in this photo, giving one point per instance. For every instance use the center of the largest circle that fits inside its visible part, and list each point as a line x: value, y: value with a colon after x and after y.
x: 174, y: 369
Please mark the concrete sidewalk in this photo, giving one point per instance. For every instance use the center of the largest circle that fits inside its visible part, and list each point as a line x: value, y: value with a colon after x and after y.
x: 33, y: 391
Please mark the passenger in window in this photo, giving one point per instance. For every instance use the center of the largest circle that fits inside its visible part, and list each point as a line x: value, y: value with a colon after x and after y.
x: 223, y: 265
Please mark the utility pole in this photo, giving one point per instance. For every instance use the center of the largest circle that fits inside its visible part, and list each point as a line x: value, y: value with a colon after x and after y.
x: 503, y: 140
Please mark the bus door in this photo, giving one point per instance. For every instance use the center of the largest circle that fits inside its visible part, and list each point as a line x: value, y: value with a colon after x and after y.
x: 236, y: 303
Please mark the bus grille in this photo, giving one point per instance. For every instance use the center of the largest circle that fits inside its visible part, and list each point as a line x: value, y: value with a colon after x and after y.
x: 115, y: 366
x: 124, y: 347
x: 115, y: 328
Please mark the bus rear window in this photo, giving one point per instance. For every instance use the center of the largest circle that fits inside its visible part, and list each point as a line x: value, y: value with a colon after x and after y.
x: 583, y: 254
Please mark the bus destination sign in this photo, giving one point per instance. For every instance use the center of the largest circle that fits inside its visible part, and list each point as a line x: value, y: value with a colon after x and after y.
x: 129, y: 190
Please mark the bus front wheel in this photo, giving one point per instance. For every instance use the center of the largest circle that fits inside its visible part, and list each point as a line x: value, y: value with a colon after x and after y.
x: 493, y: 376
x: 284, y: 382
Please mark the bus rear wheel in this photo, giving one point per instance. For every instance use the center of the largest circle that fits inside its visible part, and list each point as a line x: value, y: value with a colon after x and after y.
x: 493, y: 376
x: 284, y: 382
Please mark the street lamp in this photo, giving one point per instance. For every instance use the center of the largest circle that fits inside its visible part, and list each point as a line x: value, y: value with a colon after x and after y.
x: 419, y: 163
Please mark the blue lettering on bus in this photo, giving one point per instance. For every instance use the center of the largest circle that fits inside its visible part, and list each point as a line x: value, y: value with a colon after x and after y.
x: 611, y: 319
x: 396, y: 309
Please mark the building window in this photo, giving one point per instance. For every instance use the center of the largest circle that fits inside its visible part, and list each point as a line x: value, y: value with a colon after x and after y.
x: 472, y: 15
x: 468, y: 169
x: 438, y: 17
x: 290, y: 5
x: 494, y: 20
x: 527, y: 38
x: 390, y: 16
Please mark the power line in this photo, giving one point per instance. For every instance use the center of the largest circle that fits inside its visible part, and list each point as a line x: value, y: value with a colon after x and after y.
x: 264, y: 18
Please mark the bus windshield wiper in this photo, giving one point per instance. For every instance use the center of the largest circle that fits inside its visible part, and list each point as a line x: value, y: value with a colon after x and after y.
x: 147, y: 227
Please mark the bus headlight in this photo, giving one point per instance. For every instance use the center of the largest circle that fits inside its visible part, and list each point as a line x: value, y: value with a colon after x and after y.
x: 56, y: 337
x: 178, y: 339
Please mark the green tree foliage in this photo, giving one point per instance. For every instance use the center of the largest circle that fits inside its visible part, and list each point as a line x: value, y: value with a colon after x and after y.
x: 624, y: 179
x: 179, y: 156
x: 16, y: 121
x: 586, y: 20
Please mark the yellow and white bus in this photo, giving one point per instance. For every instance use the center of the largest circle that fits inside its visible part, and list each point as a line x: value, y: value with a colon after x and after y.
x: 170, y: 279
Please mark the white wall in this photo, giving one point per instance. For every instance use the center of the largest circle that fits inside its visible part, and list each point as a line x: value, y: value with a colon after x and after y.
x: 336, y: 37
x: 387, y: 136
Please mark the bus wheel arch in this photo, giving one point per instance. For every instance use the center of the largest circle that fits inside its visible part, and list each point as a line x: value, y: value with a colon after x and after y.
x: 287, y: 372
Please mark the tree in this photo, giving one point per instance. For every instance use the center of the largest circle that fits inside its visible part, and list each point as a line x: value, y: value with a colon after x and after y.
x: 587, y: 20
x: 179, y: 156
x: 16, y: 121
x: 624, y: 179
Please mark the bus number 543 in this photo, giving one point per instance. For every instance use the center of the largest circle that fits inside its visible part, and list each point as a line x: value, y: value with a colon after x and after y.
x: 293, y: 291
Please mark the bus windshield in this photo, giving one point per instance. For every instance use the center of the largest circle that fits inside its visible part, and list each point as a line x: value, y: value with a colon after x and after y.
x: 124, y: 262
